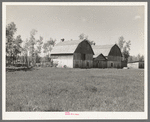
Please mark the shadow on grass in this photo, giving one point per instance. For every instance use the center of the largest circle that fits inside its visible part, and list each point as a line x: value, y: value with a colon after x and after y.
x: 20, y: 69
x: 53, y: 110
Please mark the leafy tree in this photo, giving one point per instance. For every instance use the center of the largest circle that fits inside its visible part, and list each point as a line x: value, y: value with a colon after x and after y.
x: 38, y: 44
x: 124, y: 47
x: 83, y: 36
x: 48, y: 46
x: 130, y: 59
x: 13, y: 45
x: 17, y: 46
x: 10, y: 31
x: 136, y: 58
x: 140, y: 57
x: 33, y: 46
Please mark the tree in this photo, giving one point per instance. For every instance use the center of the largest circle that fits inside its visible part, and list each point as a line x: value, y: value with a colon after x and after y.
x: 13, y: 45
x: 17, y: 46
x: 140, y: 57
x: 38, y: 44
x: 29, y: 46
x: 10, y: 31
x: 136, y: 58
x: 130, y: 59
x: 121, y: 42
x: 48, y: 46
x: 124, y: 47
x: 83, y: 36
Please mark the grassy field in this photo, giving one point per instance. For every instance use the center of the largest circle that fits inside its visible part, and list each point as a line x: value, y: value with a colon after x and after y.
x: 53, y: 89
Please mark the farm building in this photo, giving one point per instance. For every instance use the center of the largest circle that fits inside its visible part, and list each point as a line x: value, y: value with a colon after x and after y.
x: 107, y: 56
x: 73, y: 54
x: 136, y: 65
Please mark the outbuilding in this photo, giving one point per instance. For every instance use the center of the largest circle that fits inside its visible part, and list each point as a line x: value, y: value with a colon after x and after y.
x: 136, y: 65
x: 73, y: 54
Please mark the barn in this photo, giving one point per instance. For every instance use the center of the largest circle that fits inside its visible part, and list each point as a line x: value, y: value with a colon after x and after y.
x: 107, y: 56
x: 73, y: 54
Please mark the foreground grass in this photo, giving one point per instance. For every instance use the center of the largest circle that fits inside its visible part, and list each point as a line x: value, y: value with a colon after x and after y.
x: 53, y: 89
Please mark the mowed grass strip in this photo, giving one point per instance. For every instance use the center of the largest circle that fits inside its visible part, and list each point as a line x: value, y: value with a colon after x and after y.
x: 54, y: 89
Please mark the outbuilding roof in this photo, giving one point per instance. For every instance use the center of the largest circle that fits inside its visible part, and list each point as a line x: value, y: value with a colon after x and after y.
x: 104, y: 49
x: 66, y: 47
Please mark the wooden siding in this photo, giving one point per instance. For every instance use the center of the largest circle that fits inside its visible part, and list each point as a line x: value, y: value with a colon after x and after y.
x: 79, y: 63
x: 83, y: 56
x: 63, y: 60
x: 114, y: 58
x: 141, y: 65
x: 123, y: 64
x: 99, y: 64
x: 82, y: 64
x: 114, y: 64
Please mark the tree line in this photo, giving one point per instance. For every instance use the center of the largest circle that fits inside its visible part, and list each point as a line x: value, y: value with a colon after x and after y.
x: 30, y: 51
x: 32, y: 48
x: 125, y: 49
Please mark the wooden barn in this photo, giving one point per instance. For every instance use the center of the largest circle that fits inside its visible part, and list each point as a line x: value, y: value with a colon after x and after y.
x: 107, y: 56
x: 73, y: 54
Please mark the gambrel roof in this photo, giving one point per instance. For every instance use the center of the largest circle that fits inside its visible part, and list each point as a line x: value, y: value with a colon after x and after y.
x: 66, y: 47
x: 101, y: 49
x: 105, y: 50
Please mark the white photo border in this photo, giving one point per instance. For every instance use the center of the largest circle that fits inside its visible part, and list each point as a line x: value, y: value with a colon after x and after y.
x: 81, y: 115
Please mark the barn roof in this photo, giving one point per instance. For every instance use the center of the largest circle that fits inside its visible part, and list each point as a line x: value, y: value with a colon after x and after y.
x: 104, y: 49
x: 66, y: 47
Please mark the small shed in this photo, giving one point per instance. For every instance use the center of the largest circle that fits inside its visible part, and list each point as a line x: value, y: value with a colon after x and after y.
x: 136, y: 65
x: 73, y: 54
x: 112, y: 56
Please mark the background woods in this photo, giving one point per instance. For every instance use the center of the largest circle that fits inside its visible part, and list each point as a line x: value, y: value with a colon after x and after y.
x: 28, y: 52
x: 37, y: 50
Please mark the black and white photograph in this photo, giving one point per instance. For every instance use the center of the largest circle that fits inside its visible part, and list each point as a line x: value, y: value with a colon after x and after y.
x: 67, y: 60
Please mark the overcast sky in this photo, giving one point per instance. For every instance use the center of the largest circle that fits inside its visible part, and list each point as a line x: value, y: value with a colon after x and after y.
x: 102, y: 24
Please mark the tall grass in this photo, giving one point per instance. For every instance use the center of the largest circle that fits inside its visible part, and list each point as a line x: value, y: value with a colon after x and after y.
x: 53, y: 89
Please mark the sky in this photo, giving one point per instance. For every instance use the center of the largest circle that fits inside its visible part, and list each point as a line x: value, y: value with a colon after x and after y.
x: 102, y: 24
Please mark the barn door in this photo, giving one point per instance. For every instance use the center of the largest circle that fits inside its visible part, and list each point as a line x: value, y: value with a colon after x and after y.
x: 111, y: 65
x: 87, y: 64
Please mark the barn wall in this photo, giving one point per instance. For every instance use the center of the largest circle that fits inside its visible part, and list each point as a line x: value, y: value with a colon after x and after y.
x: 123, y: 64
x: 133, y: 65
x: 141, y: 65
x: 114, y: 58
x: 79, y: 63
x: 114, y: 64
x: 99, y: 64
x: 63, y: 60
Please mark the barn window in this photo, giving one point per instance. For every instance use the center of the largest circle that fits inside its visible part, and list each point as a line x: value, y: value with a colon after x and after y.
x: 82, y: 56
